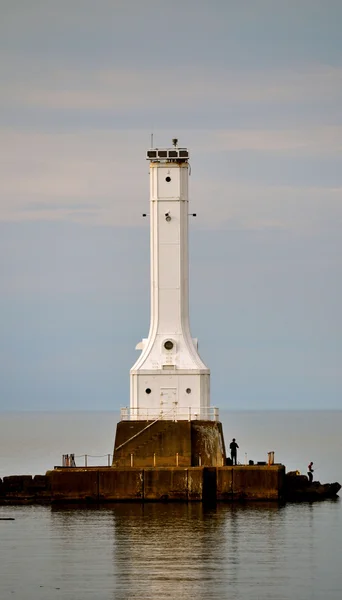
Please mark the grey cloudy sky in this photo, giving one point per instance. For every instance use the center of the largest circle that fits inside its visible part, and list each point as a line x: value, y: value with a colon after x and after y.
x: 254, y: 89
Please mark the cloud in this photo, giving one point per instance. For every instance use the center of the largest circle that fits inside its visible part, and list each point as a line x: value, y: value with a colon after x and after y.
x: 152, y: 88
x: 59, y: 176
x: 101, y: 178
x: 301, y: 210
x: 307, y: 141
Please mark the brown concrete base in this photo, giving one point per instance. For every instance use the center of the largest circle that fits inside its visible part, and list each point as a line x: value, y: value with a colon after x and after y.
x: 120, y: 484
x: 168, y: 483
x: 169, y: 444
x: 250, y: 483
x: 128, y: 484
x: 189, y: 484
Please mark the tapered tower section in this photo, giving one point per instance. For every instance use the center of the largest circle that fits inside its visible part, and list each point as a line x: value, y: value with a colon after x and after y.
x: 169, y: 378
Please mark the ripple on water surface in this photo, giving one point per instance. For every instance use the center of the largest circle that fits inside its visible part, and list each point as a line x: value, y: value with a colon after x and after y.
x: 160, y: 551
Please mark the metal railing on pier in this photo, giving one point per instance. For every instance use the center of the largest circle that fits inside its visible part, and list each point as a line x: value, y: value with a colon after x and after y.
x: 176, y: 413
x: 87, y: 460
x: 82, y: 461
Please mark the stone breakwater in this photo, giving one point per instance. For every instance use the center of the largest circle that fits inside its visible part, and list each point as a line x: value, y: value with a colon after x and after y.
x: 191, y: 484
x: 25, y: 489
x: 298, y: 489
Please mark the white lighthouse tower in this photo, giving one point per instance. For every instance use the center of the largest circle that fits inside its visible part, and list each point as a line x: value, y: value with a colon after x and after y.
x: 169, y: 380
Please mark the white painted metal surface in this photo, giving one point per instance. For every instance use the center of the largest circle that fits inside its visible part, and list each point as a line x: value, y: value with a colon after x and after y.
x: 176, y: 413
x: 169, y: 371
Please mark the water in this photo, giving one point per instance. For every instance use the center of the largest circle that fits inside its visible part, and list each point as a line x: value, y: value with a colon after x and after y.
x: 33, y: 442
x: 172, y: 551
x: 154, y: 551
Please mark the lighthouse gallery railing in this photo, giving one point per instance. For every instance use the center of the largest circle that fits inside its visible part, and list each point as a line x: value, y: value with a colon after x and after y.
x: 177, y: 413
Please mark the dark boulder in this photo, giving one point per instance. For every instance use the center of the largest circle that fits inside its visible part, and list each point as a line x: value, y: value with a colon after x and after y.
x: 298, y: 488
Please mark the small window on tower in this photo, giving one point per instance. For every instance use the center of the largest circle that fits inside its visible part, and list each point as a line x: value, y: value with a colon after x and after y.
x: 188, y: 390
x: 168, y: 345
x: 148, y: 390
x: 168, y: 179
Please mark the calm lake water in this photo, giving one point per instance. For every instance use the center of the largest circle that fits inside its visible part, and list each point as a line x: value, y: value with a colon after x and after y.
x: 157, y: 551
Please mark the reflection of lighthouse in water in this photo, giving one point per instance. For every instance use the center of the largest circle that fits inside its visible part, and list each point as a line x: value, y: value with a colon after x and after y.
x: 145, y: 536
x: 169, y: 379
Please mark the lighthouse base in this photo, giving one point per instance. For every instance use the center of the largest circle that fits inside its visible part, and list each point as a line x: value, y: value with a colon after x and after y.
x: 169, y: 444
x: 144, y: 484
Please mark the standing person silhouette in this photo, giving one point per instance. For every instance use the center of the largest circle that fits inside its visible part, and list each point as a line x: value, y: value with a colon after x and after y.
x: 310, y: 472
x: 233, y: 447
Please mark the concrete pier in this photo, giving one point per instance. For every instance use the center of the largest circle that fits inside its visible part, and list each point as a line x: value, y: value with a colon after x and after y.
x: 254, y: 482
x: 138, y: 484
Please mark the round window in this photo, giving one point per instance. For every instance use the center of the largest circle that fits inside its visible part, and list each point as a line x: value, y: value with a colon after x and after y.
x: 168, y: 179
x: 148, y: 390
x: 168, y: 345
x: 188, y: 390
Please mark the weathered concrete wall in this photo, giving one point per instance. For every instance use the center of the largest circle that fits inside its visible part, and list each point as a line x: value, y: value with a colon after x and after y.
x: 127, y: 429
x: 74, y: 484
x: 108, y: 484
x: 224, y: 483
x: 158, y: 444
x: 121, y: 484
x: 166, y: 484
x: 207, y: 444
x: 195, y: 484
x: 169, y: 444
x: 250, y: 482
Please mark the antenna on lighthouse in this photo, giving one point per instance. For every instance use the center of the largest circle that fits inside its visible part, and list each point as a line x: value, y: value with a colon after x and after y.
x: 175, y: 142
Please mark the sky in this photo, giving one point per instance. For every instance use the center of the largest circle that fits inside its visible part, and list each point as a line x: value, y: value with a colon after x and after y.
x: 254, y: 89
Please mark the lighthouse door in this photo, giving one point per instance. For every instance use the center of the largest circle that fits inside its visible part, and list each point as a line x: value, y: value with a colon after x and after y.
x: 168, y: 403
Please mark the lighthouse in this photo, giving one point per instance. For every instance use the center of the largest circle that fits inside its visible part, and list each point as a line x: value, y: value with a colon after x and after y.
x: 169, y: 380
x: 170, y: 422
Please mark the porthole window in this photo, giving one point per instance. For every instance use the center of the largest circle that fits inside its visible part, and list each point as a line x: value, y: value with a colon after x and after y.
x: 168, y: 345
x: 188, y: 390
x: 148, y: 390
x: 168, y: 179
